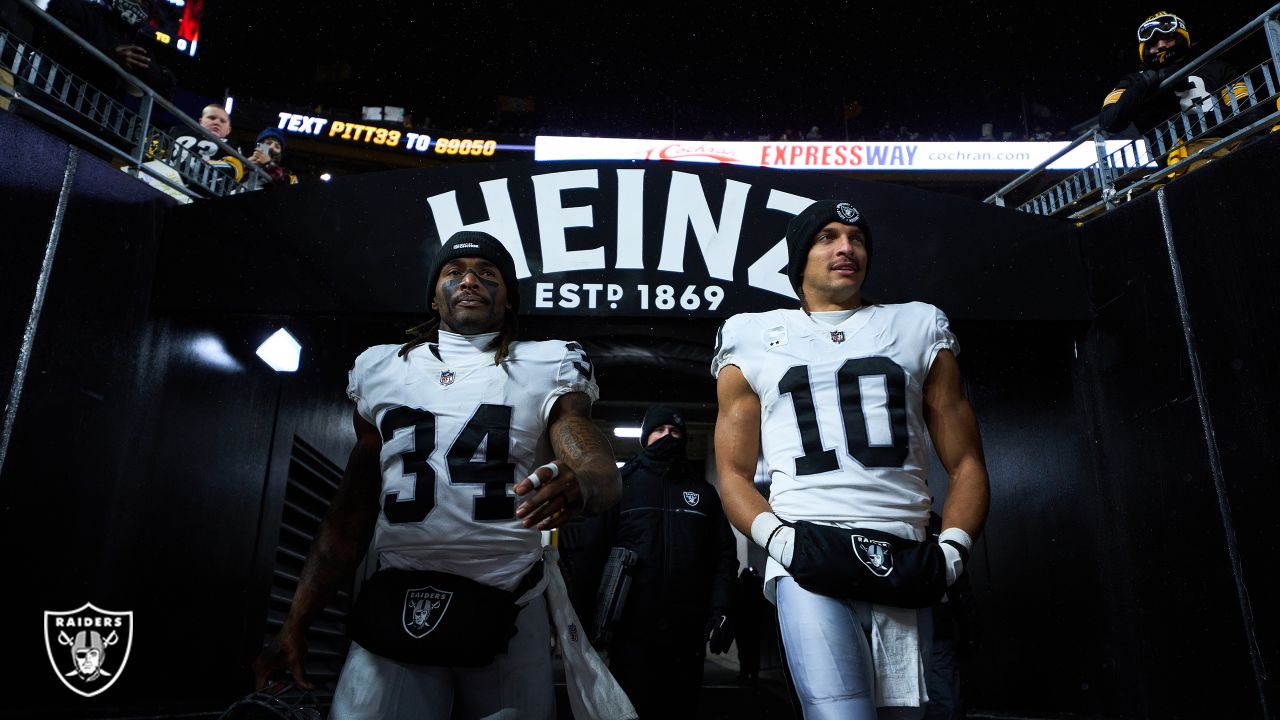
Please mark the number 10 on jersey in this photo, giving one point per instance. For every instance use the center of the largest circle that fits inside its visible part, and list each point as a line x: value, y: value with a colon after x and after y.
x: 873, y: 411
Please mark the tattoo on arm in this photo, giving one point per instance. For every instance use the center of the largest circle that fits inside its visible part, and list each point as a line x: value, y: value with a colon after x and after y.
x: 577, y: 441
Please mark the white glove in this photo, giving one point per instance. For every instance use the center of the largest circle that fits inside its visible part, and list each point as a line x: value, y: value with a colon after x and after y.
x: 776, y: 538
x: 954, y: 557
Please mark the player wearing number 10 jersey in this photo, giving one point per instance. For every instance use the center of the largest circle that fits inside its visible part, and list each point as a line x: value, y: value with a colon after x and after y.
x: 838, y: 397
x: 842, y: 412
x: 454, y: 622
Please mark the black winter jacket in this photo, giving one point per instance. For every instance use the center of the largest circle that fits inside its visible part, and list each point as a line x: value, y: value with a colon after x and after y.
x: 1136, y: 97
x: 687, y: 554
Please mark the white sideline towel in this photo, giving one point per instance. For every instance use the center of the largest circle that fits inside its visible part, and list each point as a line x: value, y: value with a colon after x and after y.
x: 593, y: 693
x: 895, y: 652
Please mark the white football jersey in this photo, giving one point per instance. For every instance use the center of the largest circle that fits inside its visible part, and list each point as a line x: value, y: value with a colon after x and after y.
x: 457, y: 433
x: 842, y: 408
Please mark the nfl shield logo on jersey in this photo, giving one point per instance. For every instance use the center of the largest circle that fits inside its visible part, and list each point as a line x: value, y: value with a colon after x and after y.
x: 446, y: 377
x: 877, y: 555
x: 837, y: 336
x: 88, y: 647
x: 692, y: 498
x: 424, y: 609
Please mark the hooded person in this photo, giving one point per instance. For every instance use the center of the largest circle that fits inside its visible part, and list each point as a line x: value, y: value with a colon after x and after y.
x: 683, y: 581
x: 269, y: 154
x: 1164, y: 48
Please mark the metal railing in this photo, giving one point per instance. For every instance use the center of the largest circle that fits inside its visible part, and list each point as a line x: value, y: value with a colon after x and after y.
x: 1135, y: 167
x: 44, y: 87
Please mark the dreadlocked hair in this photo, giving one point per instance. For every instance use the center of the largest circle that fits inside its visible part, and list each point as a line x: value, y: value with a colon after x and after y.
x: 429, y: 331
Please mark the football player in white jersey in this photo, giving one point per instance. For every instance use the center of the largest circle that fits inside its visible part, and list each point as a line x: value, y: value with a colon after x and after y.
x: 838, y: 396
x: 446, y: 425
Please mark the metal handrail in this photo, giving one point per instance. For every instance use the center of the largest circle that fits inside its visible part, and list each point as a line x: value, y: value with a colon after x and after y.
x: 997, y: 197
x: 1102, y: 166
x: 149, y: 98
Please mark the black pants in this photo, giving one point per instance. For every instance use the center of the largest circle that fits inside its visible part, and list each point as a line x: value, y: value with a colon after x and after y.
x: 662, y: 675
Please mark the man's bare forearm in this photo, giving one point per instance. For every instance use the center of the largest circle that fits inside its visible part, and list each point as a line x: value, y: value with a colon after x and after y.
x: 968, y: 497
x: 580, y: 444
x: 737, y: 442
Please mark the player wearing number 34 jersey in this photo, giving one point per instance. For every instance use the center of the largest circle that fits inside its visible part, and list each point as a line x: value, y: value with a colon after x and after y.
x: 485, y: 425
x: 451, y: 428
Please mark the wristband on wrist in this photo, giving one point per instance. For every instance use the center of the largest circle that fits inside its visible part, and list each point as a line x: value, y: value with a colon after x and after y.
x: 764, y: 527
x: 959, y: 539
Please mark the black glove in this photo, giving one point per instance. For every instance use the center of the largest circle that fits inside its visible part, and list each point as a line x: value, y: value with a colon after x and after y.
x: 719, y: 631
x: 1153, y: 78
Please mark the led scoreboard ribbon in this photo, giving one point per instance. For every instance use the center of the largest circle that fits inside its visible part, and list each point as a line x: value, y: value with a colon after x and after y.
x: 384, y: 137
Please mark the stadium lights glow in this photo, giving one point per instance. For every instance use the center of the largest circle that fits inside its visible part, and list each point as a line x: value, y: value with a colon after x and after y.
x: 325, y: 177
x: 230, y: 103
x: 281, y: 351
x: 626, y: 432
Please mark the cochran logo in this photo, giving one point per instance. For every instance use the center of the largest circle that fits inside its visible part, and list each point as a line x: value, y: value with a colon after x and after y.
x: 88, y: 647
x: 877, y: 555
x: 424, y: 609
x: 685, y: 152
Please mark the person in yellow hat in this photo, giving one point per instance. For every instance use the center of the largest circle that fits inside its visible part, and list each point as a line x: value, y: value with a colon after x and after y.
x: 1164, y: 48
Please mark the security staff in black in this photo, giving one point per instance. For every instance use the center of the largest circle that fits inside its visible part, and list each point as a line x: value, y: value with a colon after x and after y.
x: 1164, y: 46
x: 683, y: 582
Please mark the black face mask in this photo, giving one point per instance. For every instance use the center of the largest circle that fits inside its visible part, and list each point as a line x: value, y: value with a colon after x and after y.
x: 666, y: 449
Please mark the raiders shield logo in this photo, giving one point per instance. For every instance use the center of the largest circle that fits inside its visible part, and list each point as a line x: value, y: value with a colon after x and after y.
x: 88, y: 647
x: 877, y: 555
x: 692, y: 498
x: 837, y: 336
x: 424, y: 609
x: 446, y: 377
x: 847, y: 213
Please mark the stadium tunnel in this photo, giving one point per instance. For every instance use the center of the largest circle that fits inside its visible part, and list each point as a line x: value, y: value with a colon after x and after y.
x: 1123, y: 373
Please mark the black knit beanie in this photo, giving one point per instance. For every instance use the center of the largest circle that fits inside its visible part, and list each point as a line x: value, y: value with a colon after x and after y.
x: 804, y: 227
x: 472, y: 243
x: 661, y: 415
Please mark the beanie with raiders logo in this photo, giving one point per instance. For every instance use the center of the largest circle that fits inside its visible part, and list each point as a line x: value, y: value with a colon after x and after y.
x: 804, y: 227
x: 472, y: 243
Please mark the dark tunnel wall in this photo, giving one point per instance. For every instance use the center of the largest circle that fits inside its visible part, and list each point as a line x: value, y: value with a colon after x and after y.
x: 148, y: 463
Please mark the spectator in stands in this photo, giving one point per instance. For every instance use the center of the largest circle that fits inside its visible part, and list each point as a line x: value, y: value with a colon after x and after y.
x: 1164, y: 48
x: 268, y: 156
x: 190, y: 145
x: 179, y: 154
x: 213, y: 118
x: 120, y: 30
